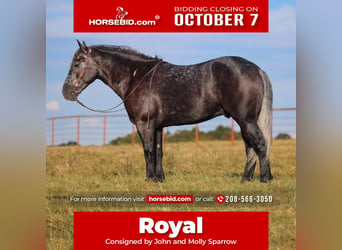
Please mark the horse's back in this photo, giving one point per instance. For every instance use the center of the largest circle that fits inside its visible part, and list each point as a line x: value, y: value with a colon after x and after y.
x: 191, y: 93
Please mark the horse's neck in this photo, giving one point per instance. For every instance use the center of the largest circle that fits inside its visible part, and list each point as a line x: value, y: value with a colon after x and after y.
x: 121, y: 77
x: 116, y: 76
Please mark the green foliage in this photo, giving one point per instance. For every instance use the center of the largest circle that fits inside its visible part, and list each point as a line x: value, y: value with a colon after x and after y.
x: 127, y: 139
x: 69, y: 143
x: 283, y: 136
x: 220, y: 133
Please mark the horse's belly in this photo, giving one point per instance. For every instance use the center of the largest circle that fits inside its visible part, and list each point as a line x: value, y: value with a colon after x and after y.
x: 179, y: 115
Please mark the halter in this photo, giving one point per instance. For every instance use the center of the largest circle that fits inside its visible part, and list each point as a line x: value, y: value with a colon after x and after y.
x: 77, y: 84
x: 114, y: 109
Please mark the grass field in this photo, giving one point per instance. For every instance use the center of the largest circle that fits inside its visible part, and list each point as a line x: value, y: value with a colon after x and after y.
x: 212, y: 168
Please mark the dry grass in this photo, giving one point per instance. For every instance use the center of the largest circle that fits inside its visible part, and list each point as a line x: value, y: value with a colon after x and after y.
x: 211, y: 168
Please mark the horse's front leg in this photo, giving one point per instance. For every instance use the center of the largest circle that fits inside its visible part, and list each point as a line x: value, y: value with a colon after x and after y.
x: 159, y: 153
x: 148, y: 139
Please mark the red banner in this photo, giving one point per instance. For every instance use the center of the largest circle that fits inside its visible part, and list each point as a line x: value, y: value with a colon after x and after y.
x: 171, y: 16
x: 170, y: 230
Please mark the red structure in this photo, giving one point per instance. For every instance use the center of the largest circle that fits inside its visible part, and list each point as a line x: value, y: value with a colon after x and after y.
x: 97, y: 129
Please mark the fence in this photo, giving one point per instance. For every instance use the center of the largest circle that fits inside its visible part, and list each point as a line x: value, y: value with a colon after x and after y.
x: 101, y: 129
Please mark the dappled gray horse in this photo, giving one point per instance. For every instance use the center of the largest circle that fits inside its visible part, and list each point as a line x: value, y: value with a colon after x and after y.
x: 157, y: 94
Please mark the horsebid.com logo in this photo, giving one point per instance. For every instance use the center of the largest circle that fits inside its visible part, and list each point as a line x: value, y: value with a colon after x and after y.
x: 120, y: 20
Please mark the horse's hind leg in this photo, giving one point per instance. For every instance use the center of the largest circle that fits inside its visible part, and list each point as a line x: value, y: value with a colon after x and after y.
x: 254, y: 138
x: 250, y: 163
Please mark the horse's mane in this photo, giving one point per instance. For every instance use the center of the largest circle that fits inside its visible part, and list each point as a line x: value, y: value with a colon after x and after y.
x: 124, y: 51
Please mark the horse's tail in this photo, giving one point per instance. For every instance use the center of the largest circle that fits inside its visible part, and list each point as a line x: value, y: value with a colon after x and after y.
x: 265, y: 116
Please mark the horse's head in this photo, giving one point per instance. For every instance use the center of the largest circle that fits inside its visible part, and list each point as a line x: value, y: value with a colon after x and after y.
x: 83, y: 71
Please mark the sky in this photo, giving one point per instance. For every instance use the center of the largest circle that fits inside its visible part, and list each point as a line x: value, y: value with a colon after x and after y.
x: 274, y: 52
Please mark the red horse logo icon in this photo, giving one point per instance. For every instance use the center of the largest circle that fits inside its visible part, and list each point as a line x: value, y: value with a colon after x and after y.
x: 121, y: 13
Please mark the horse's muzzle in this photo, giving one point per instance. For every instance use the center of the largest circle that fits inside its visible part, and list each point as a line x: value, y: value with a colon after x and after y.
x: 69, y: 92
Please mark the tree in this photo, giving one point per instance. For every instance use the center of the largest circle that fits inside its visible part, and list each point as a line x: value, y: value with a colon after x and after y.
x: 283, y: 136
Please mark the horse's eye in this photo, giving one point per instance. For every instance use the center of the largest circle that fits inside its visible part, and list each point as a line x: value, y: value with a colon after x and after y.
x: 76, y: 64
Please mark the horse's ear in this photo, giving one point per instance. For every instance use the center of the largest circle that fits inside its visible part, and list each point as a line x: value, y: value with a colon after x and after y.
x: 82, y: 46
x: 79, y: 44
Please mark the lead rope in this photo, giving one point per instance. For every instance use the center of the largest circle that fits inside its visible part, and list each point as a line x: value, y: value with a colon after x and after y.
x: 111, y: 110
x: 149, y: 97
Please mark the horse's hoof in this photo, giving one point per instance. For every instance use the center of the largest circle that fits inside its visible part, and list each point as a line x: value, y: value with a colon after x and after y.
x: 154, y: 179
x: 158, y: 179
x: 149, y: 179
x: 266, y: 179
x: 245, y: 179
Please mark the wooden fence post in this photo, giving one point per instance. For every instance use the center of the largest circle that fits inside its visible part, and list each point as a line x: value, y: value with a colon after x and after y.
x: 196, y: 135
x: 104, y: 130
x: 78, y: 130
x: 232, y: 133
x: 133, y: 132
x: 53, y: 132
